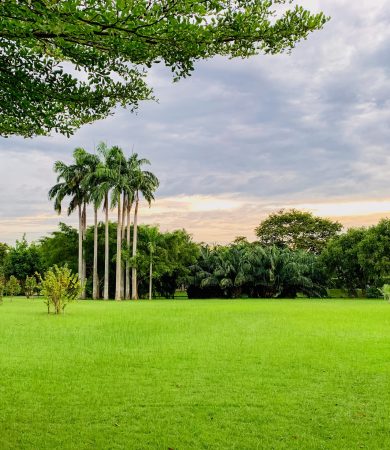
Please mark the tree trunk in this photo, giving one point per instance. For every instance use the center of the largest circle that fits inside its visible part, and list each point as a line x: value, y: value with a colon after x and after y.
x: 150, y: 276
x: 124, y: 208
x: 84, y: 237
x: 134, y: 293
x: 80, y: 269
x: 118, y: 253
x: 106, y: 253
x: 128, y: 293
x: 95, y: 289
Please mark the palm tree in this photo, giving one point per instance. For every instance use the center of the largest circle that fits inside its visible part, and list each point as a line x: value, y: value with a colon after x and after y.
x: 133, y: 165
x: 113, y: 177
x: 104, y: 174
x: 145, y: 183
x: 118, y: 180
x: 70, y: 184
x: 152, y: 234
x: 128, y: 238
x: 96, y: 188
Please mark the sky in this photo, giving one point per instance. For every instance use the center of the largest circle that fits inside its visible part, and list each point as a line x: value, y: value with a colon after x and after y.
x: 240, y: 139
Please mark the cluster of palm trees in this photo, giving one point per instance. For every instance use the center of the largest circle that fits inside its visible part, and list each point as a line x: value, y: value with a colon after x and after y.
x: 110, y: 180
x: 256, y: 271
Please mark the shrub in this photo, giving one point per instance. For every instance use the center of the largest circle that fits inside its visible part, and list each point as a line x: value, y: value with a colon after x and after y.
x: 386, y: 291
x: 373, y: 292
x: 30, y: 286
x: 60, y: 287
x: 12, y: 286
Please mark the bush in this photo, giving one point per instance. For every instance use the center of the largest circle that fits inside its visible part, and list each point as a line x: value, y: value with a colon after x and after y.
x: 30, y: 286
x: 386, y: 291
x: 60, y: 287
x: 12, y: 286
x: 373, y: 292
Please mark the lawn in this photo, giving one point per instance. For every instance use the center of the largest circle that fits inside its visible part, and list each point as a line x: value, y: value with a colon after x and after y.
x: 215, y: 374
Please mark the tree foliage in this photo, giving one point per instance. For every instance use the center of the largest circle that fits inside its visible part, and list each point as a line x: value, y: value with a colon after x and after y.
x: 297, y: 230
x: 60, y: 287
x: 374, y: 253
x: 173, y: 254
x: 22, y: 260
x: 69, y: 62
x: 3, y: 253
x: 359, y: 258
x: 30, y: 286
x: 343, y: 263
x: 60, y: 247
x: 12, y: 286
x: 255, y: 271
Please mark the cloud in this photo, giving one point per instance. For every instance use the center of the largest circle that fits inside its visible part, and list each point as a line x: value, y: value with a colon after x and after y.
x: 267, y: 131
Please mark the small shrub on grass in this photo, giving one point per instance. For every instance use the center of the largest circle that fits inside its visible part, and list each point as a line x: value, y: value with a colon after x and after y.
x: 12, y: 286
x: 373, y: 292
x: 386, y: 291
x: 30, y: 286
x: 60, y: 287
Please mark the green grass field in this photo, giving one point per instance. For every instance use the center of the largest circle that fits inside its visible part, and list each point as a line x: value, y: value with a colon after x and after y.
x: 305, y: 374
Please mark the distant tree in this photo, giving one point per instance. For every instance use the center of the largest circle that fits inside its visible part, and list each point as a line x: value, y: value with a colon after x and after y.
x: 344, y: 263
x: 121, y: 38
x: 175, y: 254
x: 297, y: 230
x: 172, y: 255
x: 152, y: 237
x: 70, y: 183
x: 386, y: 291
x: 374, y: 253
x: 102, y: 181
x: 22, y: 260
x: 143, y: 183
x: 92, y: 185
x: 30, y: 286
x: 240, y: 240
x: 13, y: 286
x: 3, y: 253
x: 60, y: 248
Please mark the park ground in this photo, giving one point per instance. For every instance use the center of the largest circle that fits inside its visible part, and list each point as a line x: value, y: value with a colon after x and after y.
x: 202, y: 374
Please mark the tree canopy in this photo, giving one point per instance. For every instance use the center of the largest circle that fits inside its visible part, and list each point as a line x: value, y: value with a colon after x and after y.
x: 69, y: 62
x: 359, y: 258
x: 298, y: 230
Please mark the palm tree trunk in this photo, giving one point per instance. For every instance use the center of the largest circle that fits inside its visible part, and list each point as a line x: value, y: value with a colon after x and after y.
x: 150, y: 276
x: 134, y: 293
x: 95, y: 289
x: 84, y: 237
x: 118, y: 253
x: 80, y: 245
x: 106, y: 252
x: 129, y: 205
x: 124, y: 208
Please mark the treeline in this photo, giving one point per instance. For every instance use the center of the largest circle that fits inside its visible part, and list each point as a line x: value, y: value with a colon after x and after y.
x: 296, y: 254
x: 359, y: 260
x: 252, y: 270
x: 163, y: 259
